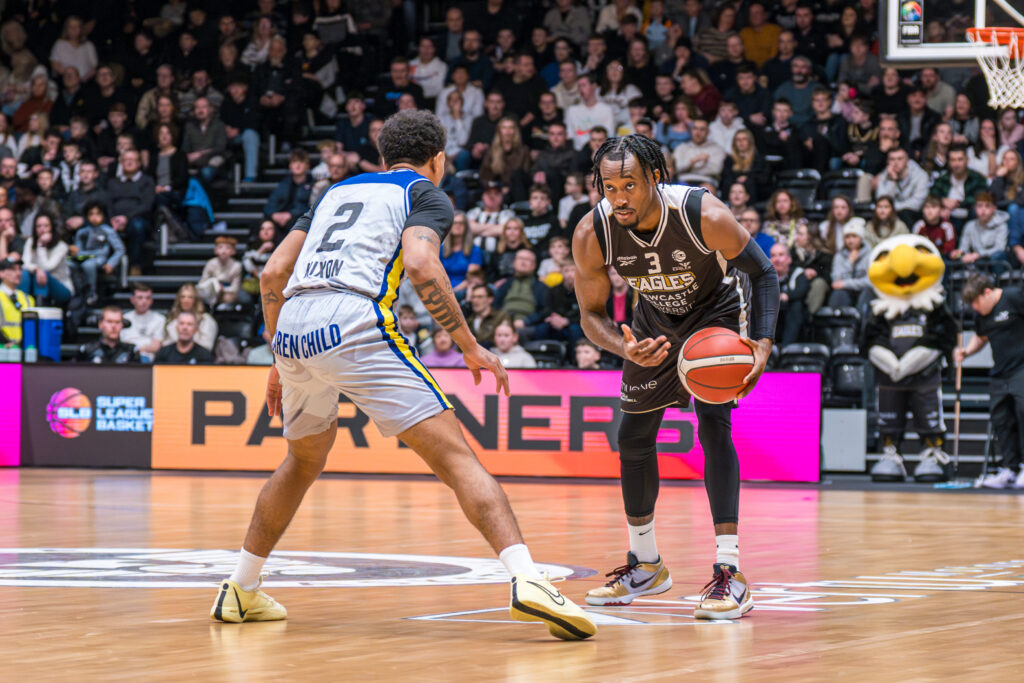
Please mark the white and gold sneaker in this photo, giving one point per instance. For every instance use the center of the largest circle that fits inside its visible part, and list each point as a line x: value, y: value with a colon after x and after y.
x: 538, y: 600
x: 630, y: 581
x: 235, y: 604
x: 727, y: 595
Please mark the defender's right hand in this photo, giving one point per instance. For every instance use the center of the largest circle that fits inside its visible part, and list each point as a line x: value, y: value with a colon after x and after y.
x: 647, y: 353
x: 478, y: 358
x: 273, y: 392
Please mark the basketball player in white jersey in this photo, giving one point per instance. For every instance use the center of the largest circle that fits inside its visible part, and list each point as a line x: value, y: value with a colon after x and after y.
x: 328, y: 292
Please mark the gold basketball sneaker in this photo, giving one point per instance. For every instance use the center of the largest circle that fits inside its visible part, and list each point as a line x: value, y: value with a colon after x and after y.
x: 630, y: 581
x: 538, y: 600
x: 727, y: 596
x: 234, y: 604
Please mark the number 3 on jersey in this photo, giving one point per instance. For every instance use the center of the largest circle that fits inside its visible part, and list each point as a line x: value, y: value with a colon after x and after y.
x: 351, y: 212
x: 655, y: 262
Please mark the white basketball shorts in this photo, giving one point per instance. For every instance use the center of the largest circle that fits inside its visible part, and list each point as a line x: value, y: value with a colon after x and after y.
x: 331, y: 342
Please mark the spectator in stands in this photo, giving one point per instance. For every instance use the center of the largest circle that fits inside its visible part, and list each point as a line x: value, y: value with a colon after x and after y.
x: 502, y: 259
x: 784, y: 214
x: 556, y: 159
x: 98, y: 249
x: 428, y: 71
x: 258, y: 49
x: 935, y: 157
x: 665, y: 95
x: 228, y: 68
x: 965, y: 124
x: 674, y: 128
x: 573, y: 195
x: 984, y: 155
x: 751, y: 222
x: 477, y: 64
x: 483, y: 318
x: 810, y: 255
x: 958, y: 187
x: 102, y: 94
x: 640, y: 67
x: 589, y: 113
x: 109, y: 348
x: 48, y: 196
x: 204, y: 330
x: 132, y: 196
x: 860, y: 68
x: 290, y: 199
x: 726, y: 125
x: 12, y: 300
x: 616, y: 91
x: 415, y: 335
x: 105, y: 149
x: 781, y: 138
x: 274, y: 80
x: 1011, y: 131
x: 524, y: 88
x: 169, y: 169
x: 205, y: 141
x: 699, y: 160
x: 67, y: 171
x: 11, y: 243
x: 185, y: 350
x: 695, y: 85
x: 444, y: 354
x: 88, y: 191
x: 33, y: 137
x: 458, y: 253
x: 722, y: 74
x: 472, y: 95
x: 542, y: 223
x: 985, y: 237
x: 487, y: 220
x: 550, y: 270
x: 793, y: 290
x: 563, y: 323
x: 38, y: 101
x: 798, y: 90
x: 261, y: 246
x: 588, y: 355
x: 9, y: 178
x: 747, y: 166
x: 145, y: 112
x: 523, y: 297
x: 850, y: 284
x: 941, y: 96
x: 738, y: 200
x: 74, y: 49
x: 753, y: 102
x: 884, y: 223
x: 398, y: 83
x: 241, y: 117
x: 353, y: 129
x: 567, y: 20
x: 200, y: 87
x: 507, y: 159
x: 825, y: 135
x: 221, y: 280
x: 917, y: 121
x: 449, y: 42
x: 778, y: 69
x: 906, y: 182
x: 146, y: 327
x: 890, y: 96
x: 565, y: 91
x: 484, y: 128
x: 45, y: 269
x: 710, y: 41
x: 611, y: 15
x: 507, y: 348
x: 833, y: 228
x: 934, y: 227
x: 760, y: 36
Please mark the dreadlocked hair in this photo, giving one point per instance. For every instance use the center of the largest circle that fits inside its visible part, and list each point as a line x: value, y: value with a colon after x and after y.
x: 643, y: 149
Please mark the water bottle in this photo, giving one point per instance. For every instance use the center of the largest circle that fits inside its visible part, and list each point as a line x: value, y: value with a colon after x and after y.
x: 31, y: 354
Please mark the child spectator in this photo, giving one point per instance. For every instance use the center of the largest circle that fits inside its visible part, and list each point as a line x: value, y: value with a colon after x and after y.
x: 222, y: 275
x: 809, y: 255
x: 97, y: 248
x: 444, y: 355
x: 542, y: 223
x: 320, y: 171
x: 564, y: 321
x: 934, y: 227
x: 507, y: 348
x: 985, y: 237
x: 559, y: 249
x: 573, y: 195
x: 588, y: 355
x: 416, y: 336
x: 45, y: 272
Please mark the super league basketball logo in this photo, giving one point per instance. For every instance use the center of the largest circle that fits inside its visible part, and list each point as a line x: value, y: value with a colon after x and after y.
x: 69, y: 413
x: 185, y: 568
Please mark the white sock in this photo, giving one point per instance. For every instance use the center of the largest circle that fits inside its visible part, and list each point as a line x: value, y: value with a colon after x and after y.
x: 247, y: 571
x: 642, y: 543
x: 728, y: 549
x: 517, y: 560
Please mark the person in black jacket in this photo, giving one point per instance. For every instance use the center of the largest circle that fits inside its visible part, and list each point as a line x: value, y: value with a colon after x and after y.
x: 168, y: 166
x: 241, y: 117
x: 185, y: 351
x: 918, y: 122
x: 109, y: 348
x: 825, y: 134
x: 793, y: 288
x: 273, y: 82
x: 563, y: 323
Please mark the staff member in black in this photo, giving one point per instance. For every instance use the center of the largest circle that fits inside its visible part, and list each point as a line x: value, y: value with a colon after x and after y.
x: 185, y: 351
x: 1000, y: 321
x: 109, y: 348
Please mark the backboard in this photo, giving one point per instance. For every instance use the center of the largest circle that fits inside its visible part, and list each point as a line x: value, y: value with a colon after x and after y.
x: 919, y: 33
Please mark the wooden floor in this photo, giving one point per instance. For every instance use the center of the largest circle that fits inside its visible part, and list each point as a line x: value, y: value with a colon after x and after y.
x: 849, y: 585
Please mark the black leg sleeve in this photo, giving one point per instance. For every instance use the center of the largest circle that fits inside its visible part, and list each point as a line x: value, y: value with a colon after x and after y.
x: 638, y: 461
x: 721, y: 466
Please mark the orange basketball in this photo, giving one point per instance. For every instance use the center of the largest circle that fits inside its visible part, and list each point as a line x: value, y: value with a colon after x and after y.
x: 713, y: 363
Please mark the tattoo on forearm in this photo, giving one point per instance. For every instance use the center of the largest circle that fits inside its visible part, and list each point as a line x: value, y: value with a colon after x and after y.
x: 269, y: 298
x: 428, y: 237
x: 439, y: 300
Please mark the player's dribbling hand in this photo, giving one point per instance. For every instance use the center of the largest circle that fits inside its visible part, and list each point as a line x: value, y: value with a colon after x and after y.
x: 647, y: 353
x: 273, y: 392
x: 762, y: 350
x: 478, y: 359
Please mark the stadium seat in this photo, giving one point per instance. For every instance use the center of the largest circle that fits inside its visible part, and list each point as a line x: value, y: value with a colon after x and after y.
x: 838, y: 326
x: 841, y: 182
x: 801, y: 182
x: 548, y: 353
x: 847, y: 376
x: 804, y: 358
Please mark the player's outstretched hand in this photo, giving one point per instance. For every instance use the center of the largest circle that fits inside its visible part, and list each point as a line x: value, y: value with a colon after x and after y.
x: 646, y: 353
x: 762, y: 351
x: 273, y: 392
x: 479, y: 358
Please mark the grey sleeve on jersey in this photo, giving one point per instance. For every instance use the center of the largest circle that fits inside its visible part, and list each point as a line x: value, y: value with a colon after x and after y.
x: 430, y: 208
x: 303, y: 221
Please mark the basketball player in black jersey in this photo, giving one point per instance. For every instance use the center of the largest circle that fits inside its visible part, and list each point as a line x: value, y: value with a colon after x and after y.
x: 675, y: 245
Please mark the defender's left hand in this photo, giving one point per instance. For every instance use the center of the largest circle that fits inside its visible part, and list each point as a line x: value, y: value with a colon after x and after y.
x: 273, y: 392
x: 762, y: 350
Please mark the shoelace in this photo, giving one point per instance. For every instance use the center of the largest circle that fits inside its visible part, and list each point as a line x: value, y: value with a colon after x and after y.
x: 619, y: 573
x: 718, y: 587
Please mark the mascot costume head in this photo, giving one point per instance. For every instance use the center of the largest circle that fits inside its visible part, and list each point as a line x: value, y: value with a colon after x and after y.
x: 906, y: 337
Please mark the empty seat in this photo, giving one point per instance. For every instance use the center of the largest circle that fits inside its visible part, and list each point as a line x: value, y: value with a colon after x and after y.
x: 838, y: 326
x: 847, y: 373
x: 804, y: 358
x: 840, y: 183
x: 548, y: 353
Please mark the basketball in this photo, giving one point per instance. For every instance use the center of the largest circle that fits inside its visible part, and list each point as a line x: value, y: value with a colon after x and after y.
x: 713, y: 363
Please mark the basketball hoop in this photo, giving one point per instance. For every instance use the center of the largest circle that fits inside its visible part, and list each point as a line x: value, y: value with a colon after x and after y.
x: 1004, y: 72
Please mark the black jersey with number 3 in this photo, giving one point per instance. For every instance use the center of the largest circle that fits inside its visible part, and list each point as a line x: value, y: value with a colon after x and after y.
x: 672, y: 269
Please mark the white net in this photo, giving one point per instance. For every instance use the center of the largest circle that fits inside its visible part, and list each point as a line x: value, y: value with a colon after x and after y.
x: 1004, y: 71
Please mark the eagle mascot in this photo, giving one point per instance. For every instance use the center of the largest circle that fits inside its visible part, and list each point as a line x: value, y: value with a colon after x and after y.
x: 906, y: 338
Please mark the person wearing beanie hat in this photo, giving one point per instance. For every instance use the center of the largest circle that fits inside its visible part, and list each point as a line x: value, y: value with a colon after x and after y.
x: 850, y: 284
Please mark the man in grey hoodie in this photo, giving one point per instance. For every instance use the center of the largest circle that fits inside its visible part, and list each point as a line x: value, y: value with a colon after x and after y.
x: 906, y: 182
x: 986, y: 236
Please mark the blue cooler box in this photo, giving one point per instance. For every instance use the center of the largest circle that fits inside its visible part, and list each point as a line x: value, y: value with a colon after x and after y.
x: 46, y: 338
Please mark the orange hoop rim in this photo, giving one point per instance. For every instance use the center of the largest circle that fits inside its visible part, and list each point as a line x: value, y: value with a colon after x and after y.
x: 1002, y: 35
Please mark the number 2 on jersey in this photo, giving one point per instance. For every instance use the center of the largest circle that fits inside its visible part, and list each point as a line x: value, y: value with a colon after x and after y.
x: 329, y: 243
x: 652, y: 256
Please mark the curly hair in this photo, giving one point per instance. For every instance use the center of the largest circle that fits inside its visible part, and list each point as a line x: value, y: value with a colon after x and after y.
x: 644, y: 150
x: 410, y: 137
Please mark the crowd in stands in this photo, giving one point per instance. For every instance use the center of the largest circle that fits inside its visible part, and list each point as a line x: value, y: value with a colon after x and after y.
x: 123, y: 118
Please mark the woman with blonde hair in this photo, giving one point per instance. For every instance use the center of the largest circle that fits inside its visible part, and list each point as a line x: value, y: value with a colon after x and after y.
x: 507, y: 158
x: 810, y: 254
x: 255, y: 53
x: 74, y: 49
x: 458, y: 253
x: 188, y: 300
x: 513, y: 238
x: 840, y: 215
x: 783, y: 216
x: 745, y: 165
x: 38, y: 124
